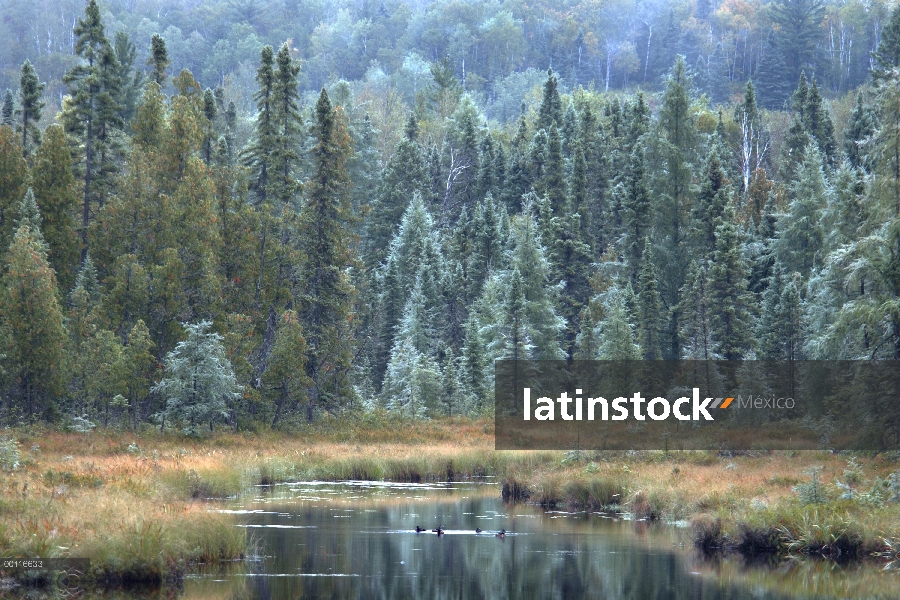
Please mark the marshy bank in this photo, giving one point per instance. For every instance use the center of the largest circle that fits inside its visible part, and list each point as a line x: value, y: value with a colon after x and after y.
x: 141, y: 506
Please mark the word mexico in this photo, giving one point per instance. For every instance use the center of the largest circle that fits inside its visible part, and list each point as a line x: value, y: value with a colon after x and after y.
x: 693, y: 405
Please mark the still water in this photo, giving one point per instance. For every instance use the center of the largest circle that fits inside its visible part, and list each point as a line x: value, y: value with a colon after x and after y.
x: 357, y: 540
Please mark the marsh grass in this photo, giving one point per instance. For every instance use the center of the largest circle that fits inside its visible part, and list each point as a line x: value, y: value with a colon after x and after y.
x: 141, y: 506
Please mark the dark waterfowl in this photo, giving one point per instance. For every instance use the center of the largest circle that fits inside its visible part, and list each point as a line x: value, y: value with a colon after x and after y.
x: 439, y: 530
x: 420, y: 529
x: 478, y: 530
x: 502, y: 534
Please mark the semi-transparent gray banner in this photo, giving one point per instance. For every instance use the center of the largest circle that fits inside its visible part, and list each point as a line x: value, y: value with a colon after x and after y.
x: 697, y: 405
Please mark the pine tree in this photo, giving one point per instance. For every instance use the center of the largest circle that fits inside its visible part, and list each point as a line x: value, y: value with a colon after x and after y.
x: 56, y: 191
x: 799, y: 22
x: 552, y: 184
x: 771, y: 77
x: 325, y: 293
x: 132, y: 79
x: 198, y: 383
x: 487, y: 181
x: 159, y: 60
x: 31, y: 105
x: 32, y: 315
x: 732, y: 318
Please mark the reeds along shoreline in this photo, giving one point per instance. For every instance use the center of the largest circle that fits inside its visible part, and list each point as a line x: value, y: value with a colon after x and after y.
x: 137, y: 505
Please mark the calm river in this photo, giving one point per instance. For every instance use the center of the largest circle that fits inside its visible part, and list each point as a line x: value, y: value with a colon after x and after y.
x: 357, y: 540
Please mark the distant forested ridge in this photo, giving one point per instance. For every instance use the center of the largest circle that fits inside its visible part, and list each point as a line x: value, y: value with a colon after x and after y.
x: 367, y: 215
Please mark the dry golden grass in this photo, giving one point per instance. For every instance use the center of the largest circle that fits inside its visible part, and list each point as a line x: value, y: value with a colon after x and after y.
x: 136, y: 505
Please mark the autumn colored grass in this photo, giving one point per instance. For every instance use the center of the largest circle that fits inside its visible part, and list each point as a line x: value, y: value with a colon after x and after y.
x: 139, y: 506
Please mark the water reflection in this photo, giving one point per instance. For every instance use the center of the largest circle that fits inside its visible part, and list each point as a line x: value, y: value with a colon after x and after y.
x: 358, y: 541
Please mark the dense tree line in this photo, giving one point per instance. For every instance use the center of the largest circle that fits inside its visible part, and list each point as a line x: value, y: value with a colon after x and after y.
x: 158, y: 269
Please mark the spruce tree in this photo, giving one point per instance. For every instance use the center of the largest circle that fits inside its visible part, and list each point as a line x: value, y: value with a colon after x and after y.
x: 32, y: 316
x: 258, y: 156
x: 198, y: 383
x: 31, y: 105
x: 7, y: 115
x: 696, y: 314
x: 801, y: 236
x: 709, y: 206
x: 404, y: 176
x: 56, y: 191
x: 13, y: 182
x: 616, y: 331
x: 888, y: 54
x: 860, y: 126
x: 650, y: 316
x: 550, y: 111
x: 285, y: 377
x: 209, y: 111
x: 636, y: 206
x: 324, y: 292
x: 732, y: 318
x: 93, y: 112
x: 819, y: 125
x: 159, y: 60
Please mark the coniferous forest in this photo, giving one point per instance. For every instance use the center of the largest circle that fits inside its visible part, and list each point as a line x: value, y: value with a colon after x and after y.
x: 256, y: 213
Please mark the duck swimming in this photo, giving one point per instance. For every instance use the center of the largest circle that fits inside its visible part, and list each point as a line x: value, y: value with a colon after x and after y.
x: 502, y: 534
x: 478, y: 530
x: 439, y: 530
x: 420, y: 529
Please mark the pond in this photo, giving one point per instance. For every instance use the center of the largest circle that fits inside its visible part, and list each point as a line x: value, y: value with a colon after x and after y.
x: 357, y: 540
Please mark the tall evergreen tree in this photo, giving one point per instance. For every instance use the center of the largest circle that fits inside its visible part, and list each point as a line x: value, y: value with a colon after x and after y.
x: 7, y: 115
x: 56, y: 191
x: 13, y: 182
x: 31, y: 105
x: 324, y: 290
x: 32, y: 316
x: 649, y: 306
x: 800, y: 229
x: 696, y: 314
x: 799, y: 22
x: 732, y: 319
x: 550, y: 111
x: 404, y: 175
x: 93, y: 112
x: 159, y: 60
x: 860, y: 126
